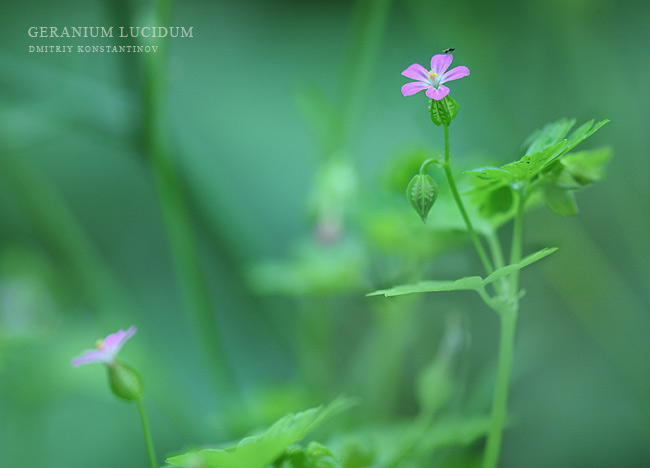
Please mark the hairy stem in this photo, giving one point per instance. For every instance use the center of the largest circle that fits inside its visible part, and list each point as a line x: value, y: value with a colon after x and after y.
x: 459, y: 202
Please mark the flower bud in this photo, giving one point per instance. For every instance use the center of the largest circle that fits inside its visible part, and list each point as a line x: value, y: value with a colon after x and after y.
x: 422, y: 192
x: 125, y: 381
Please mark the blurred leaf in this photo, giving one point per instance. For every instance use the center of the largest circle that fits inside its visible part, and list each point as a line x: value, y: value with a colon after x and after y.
x: 587, y: 166
x: 475, y: 283
x: 434, y: 386
x: 497, y: 202
x: 403, y: 164
x: 560, y: 201
x: 457, y: 431
x: 316, y: 269
x: 316, y: 455
x: 259, y: 451
x: 548, y: 135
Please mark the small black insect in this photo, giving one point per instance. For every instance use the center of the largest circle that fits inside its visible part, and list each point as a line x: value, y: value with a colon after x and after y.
x: 448, y: 51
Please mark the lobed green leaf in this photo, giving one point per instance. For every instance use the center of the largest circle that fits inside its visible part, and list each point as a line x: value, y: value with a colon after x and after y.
x: 469, y: 283
x: 261, y: 450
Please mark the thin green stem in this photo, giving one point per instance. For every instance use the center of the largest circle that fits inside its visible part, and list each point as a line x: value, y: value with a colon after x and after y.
x: 459, y: 202
x: 147, y: 433
x: 508, y: 315
x: 517, y: 233
x: 500, y: 400
x: 500, y: 286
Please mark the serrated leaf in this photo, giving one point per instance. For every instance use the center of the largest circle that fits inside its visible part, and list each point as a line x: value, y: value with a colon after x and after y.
x: 579, y: 135
x: 469, y: 283
x: 531, y: 164
x: 259, y: 451
x: 559, y: 200
x: 550, y: 134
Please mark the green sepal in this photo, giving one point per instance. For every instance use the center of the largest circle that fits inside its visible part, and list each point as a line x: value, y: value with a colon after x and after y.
x: 125, y: 382
x: 422, y: 192
x: 443, y: 111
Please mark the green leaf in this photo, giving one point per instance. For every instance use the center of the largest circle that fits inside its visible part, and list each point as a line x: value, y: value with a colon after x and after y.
x: 261, y: 450
x: 559, y: 200
x: 548, y: 135
x: 422, y: 192
x: 587, y: 166
x: 434, y: 386
x: 443, y: 111
x: 497, y: 201
x: 490, y: 173
x: 464, y: 284
x: 469, y: 283
x: 508, y: 269
x: 579, y: 135
x: 531, y: 164
x: 455, y: 431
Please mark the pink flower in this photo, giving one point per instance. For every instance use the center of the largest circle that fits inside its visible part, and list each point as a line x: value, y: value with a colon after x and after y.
x: 433, y: 80
x: 107, y: 348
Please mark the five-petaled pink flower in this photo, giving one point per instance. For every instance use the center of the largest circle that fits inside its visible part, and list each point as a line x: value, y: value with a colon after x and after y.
x: 107, y: 348
x: 433, y: 80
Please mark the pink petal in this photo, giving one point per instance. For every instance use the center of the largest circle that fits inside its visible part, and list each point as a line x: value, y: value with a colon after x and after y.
x: 440, y: 63
x: 455, y: 73
x: 437, y: 94
x: 89, y: 357
x: 114, y: 342
x: 416, y: 72
x: 411, y: 88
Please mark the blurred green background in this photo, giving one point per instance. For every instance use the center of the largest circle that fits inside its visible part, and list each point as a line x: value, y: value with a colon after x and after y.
x: 283, y: 120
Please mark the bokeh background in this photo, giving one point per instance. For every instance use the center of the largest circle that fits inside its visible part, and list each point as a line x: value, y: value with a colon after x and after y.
x: 285, y: 126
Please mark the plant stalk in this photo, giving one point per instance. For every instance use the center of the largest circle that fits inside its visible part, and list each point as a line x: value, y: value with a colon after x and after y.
x: 459, y: 202
x: 147, y: 433
x: 500, y: 400
x: 508, y: 316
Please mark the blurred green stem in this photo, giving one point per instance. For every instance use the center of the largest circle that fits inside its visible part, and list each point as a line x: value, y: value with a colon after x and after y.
x: 147, y: 433
x: 459, y: 202
x: 175, y: 208
x: 368, y: 24
x: 508, y: 310
x: 500, y: 400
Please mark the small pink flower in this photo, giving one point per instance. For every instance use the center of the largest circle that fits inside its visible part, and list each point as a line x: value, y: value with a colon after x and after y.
x: 107, y: 348
x: 433, y: 80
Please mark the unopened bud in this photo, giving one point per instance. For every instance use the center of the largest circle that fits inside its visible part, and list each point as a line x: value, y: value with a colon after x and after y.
x: 125, y: 381
x: 422, y: 192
